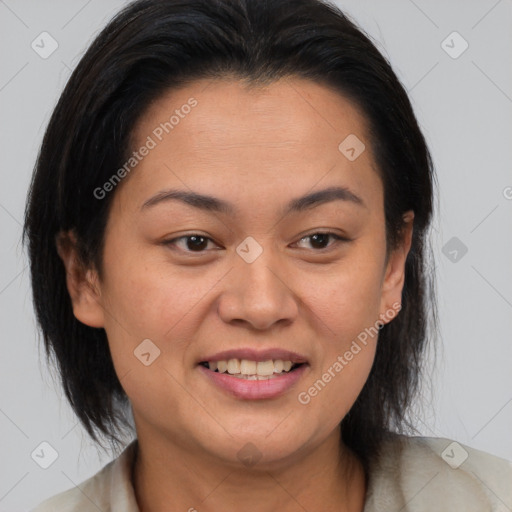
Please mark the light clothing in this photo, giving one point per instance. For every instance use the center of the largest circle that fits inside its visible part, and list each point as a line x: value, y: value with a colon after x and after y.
x: 412, y: 474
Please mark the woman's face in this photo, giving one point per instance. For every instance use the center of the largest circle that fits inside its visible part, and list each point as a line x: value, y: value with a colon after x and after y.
x: 261, y: 281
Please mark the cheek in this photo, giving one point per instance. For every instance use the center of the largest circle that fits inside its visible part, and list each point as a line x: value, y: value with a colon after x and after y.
x: 331, y: 393
x: 147, y: 300
x: 347, y: 298
x: 345, y: 357
x: 147, y: 304
x: 346, y: 305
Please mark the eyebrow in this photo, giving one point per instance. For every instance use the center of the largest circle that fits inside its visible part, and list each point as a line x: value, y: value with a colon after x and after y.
x: 214, y: 204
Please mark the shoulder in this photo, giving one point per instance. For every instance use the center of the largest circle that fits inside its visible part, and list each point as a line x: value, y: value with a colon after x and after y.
x: 109, y: 489
x: 426, y: 473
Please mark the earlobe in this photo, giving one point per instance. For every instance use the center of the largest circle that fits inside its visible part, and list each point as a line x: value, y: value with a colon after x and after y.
x: 82, y: 283
x: 395, y: 270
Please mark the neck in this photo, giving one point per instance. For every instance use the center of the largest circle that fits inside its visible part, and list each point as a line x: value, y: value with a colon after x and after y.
x: 168, y: 478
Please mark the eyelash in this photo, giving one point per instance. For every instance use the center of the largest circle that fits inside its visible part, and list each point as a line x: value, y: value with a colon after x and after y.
x: 338, y: 240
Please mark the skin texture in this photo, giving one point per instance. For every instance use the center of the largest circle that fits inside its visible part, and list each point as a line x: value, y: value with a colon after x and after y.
x: 257, y: 148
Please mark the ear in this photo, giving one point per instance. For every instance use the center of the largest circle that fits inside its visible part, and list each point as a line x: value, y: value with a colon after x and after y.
x: 394, y: 277
x: 82, y: 283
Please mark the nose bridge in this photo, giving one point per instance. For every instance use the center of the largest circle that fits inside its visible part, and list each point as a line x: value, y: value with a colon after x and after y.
x: 257, y: 292
x: 259, y: 280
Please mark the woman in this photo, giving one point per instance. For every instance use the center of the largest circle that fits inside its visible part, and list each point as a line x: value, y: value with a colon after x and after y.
x: 227, y: 229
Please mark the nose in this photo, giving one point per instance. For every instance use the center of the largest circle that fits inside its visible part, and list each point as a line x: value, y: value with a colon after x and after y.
x: 258, y: 294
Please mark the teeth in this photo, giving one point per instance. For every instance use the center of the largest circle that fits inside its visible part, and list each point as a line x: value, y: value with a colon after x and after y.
x: 278, y: 366
x: 265, y: 367
x: 248, y: 367
x: 233, y: 366
x: 251, y: 370
x: 255, y: 377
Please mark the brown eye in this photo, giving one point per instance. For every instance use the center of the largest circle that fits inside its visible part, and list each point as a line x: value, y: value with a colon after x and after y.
x: 190, y: 243
x: 320, y: 241
x: 196, y: 243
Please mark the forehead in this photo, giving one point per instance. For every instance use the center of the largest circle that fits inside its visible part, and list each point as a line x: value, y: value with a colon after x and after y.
x: 239, y: 140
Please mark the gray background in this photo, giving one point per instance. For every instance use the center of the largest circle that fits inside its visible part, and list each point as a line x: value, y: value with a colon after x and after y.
x: 464, y: 106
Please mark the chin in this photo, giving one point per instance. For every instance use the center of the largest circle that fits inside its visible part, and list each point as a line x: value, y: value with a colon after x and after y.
x: 260, y: 448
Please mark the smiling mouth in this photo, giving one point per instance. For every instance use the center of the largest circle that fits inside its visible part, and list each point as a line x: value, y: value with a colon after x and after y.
x: 252, y: 370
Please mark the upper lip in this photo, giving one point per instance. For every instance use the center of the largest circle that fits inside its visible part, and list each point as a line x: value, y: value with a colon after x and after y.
x: 256, y: 355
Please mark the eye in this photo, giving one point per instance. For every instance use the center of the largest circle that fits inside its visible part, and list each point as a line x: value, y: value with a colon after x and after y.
x: 197, y: 243
x: 190, y: 243
x: 320, y: 240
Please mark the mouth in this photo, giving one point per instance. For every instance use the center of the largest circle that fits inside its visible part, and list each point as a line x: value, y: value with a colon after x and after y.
x: 253, y: 375
x: 252, y: 370
x: 249, y: 374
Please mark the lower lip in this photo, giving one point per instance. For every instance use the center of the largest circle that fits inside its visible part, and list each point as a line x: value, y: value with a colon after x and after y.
x: 255, y: 389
